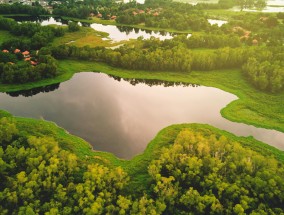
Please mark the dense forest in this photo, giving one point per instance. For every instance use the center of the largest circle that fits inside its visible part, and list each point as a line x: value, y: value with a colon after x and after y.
x: 200, y: 172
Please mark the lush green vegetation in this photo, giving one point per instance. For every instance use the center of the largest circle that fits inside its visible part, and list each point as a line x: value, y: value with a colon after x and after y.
x: 39, y: 177
x: 185, y: 168
x: 18, y: 8
x: 267, y: 75
x: 34, y: 36
x: 22, y: 72
x: 207, y: 174
x: 5, y: 35
x: 177, y: 55
x: 21, y: 60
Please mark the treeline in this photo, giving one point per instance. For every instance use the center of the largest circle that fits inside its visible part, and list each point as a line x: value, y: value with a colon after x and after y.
x: 266, y: 75
x: 81, y: 12
x: 255, y: 22
x: 201, y: 173
x: 18, y: 8
x: 184, y: 7
x: 153, y: 54
x: 165, y: 14
x: 222, y: 4
x: 211, y: 40
x: 265, y: 72
x: 176, y: 15
x: 167, y: 19
x: 83, y: 9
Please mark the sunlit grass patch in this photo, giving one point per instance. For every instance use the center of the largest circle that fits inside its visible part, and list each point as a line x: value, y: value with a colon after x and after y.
x: 85, y: 37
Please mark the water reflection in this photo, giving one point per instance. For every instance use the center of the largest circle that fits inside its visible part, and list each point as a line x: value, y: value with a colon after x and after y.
x: 153, y: 82
x: 122, y: 118
x: 119, y: 33
x: 41, y: 20
x: 116, y: 33
x: 218, y: 22
x: 34, y: 91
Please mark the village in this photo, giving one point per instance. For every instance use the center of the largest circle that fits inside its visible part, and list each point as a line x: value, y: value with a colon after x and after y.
x: 25, y: 55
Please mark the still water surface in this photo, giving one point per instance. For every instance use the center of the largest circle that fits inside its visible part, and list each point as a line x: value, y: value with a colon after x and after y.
x: 116, y: 33
x: 217, y: 22
x: 119, y: 33
x: 121, y: 116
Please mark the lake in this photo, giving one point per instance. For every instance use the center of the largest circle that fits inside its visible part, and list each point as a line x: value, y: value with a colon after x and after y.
x: 120, y: 33
x: 123, y: 116
x: 116, y: 33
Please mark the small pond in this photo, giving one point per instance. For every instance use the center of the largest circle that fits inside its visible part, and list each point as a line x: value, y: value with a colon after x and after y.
x: 42, y: 20
x: 119, y: 33
x: 217, y: 21
x: 123, y: 116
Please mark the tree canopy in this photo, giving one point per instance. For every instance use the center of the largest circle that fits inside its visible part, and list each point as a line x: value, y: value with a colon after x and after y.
x: 199, y: 173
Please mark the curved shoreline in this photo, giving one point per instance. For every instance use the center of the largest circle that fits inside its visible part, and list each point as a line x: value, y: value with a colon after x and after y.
x: 230, y: 112
x: 136, y: 167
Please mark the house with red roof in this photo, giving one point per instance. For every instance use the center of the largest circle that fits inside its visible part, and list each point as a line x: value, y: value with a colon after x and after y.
x: 33, y: 63
x: 26, y: 54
